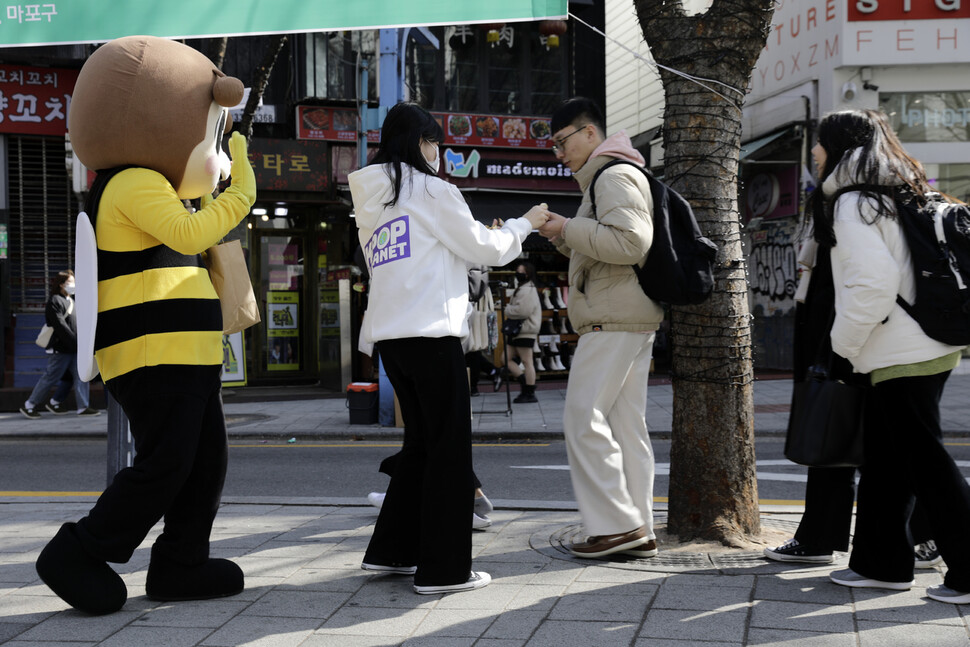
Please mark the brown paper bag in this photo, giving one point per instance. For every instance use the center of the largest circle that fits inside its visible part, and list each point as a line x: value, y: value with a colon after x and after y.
x: 230, y: 278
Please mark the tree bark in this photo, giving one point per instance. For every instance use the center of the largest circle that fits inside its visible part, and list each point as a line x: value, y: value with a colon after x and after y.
x: 713, y: 483
x: 260, y: 79
x: 217, y: 50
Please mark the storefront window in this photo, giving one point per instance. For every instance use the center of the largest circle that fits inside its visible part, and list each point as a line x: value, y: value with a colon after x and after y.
x: 928, y: 116
x: 505, y: 91
x: 331, y: 63
x: 951, y: 179
x: 282, y: 267
x: 461, y: 67
x: 548, y: 81
x: 421, y: 72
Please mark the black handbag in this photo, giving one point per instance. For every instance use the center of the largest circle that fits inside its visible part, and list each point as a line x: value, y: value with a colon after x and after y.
x: 512, y: 327
x: 826, y: 421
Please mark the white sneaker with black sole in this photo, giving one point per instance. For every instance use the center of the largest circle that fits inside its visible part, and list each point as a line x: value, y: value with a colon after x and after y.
x: 477, y: 580
x: 848, y: 577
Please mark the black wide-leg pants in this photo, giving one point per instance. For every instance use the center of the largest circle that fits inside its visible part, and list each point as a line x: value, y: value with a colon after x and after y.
x: 906, y: 461
x: 425, y: 520
x: 179, y: 429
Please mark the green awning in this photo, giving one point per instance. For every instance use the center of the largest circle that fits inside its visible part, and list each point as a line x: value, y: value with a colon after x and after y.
x: 97, y: 21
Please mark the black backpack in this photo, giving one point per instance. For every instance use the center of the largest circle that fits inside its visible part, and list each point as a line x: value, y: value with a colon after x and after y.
x: 679, y: 269
x: 938, y: 237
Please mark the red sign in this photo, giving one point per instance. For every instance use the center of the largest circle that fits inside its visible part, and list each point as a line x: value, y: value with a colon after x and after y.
x: 495, y: 131
x: 329, y: 124
x: 907, y: 9
x: 461, y: 129
x: 34, y: 100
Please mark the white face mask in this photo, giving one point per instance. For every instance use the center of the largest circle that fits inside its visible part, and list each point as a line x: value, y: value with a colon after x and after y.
x: 435, y: 164
x: 69, y: 288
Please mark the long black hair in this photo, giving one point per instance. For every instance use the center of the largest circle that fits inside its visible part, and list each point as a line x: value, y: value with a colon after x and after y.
x: 405, y: 126
x: 841, y: 134
x: 530, y: 272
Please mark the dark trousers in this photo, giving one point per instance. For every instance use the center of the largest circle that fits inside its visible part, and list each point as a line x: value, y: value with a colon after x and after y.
x: 426, y: 516
x: 906, y: 461
x: 829, y: 495
x: 177, y: 422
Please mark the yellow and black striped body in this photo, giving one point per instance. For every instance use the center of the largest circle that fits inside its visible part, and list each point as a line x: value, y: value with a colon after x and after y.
x: 156, y: 304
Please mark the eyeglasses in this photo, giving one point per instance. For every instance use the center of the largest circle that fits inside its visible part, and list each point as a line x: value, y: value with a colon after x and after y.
x: 559, y: 143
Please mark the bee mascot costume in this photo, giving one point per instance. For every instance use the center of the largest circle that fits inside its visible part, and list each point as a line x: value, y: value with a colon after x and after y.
x: 149, y: 115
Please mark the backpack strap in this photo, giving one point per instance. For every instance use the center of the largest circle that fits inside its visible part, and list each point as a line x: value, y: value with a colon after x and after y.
x: 599, y: 172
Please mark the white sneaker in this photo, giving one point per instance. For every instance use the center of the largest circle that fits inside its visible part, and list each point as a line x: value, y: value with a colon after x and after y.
x: 477, y: 580
x: 390, y: 570
x: 376, y: 499
x: 480, y: 522
x: 482, y: 505
x: 848, y: 577
x: 943, y: 593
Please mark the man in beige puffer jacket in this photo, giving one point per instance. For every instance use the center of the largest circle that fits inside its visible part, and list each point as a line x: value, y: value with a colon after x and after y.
x: 610, y: 457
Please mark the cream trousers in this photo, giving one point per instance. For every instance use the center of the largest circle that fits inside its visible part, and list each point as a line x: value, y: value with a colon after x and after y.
x: 611, y: 461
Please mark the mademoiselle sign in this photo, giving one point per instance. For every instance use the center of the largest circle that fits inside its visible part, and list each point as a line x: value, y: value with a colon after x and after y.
x: 97, y: 21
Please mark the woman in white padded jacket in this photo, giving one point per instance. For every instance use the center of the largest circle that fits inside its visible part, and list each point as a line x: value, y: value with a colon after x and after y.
x: 861, y: 164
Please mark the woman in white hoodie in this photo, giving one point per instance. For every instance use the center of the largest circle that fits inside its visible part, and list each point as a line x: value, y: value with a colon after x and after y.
x: 862, y: 163
x: 418, y: 235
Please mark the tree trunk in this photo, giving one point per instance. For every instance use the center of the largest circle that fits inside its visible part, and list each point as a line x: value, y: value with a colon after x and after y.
x: 713, y: 483
x: 217, y: 50
x: 260, y: 79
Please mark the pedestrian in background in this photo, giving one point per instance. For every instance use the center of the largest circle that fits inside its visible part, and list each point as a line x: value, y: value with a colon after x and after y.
x: 62, y: 353
x: 860, y: 157
x: 611, y: 461
x: 524, y: 305
x: 417, y: 234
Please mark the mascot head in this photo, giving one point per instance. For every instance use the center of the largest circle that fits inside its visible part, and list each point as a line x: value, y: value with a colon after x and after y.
x: 152, y: 102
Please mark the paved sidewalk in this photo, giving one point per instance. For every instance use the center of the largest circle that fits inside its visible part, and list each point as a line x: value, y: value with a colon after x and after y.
x: 305, y: 587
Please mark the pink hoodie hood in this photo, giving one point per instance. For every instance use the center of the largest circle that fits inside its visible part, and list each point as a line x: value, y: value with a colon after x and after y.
x: 619, y: 145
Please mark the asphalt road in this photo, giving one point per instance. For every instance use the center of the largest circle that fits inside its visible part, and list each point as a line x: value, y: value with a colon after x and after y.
x: 523, y: 471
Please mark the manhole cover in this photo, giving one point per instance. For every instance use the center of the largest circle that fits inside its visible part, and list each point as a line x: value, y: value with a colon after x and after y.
x: 726, y: 562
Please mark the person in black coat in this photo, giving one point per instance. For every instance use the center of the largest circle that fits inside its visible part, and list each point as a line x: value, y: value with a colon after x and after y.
x: 62, y: 351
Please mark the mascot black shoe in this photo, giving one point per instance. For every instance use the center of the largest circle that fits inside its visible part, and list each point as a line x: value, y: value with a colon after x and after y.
x: 169, y: 581
x: 150, y: 115
x: 85, y: 582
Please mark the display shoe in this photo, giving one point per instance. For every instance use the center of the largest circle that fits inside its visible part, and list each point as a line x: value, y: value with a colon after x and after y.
x: 557, y: 365
x: 476, y: 580
x: 566, y: 355
x: 569, y: 327
x: 553, y: 347
x: 376, y: 499
x: 546, y: 327
x: 389, y: 569
x: 562, y: 326
x: 557, y: 298
x: 546, y: 304
x: 540, y: 366
x: 169, y: 581
x: 535, y: 347
x: 602, y: 545
x: 85, y: 582
x: 556, y: 322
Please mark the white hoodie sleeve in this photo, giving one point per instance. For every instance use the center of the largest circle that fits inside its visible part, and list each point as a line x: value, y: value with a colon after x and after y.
x: 469, y: 239
x: 866, y: 275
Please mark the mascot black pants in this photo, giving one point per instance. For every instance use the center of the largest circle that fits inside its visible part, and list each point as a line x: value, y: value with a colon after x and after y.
x: 179, y: 429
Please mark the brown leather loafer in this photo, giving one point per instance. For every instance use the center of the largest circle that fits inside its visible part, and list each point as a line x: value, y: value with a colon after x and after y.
x: 601, y: 545
x: 643, y: 551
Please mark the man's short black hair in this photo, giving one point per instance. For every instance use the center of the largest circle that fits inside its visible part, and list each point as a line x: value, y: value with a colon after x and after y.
x: 578, y: 109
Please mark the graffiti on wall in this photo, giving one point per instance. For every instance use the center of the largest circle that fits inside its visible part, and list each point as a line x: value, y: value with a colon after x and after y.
x: 773, y: 268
